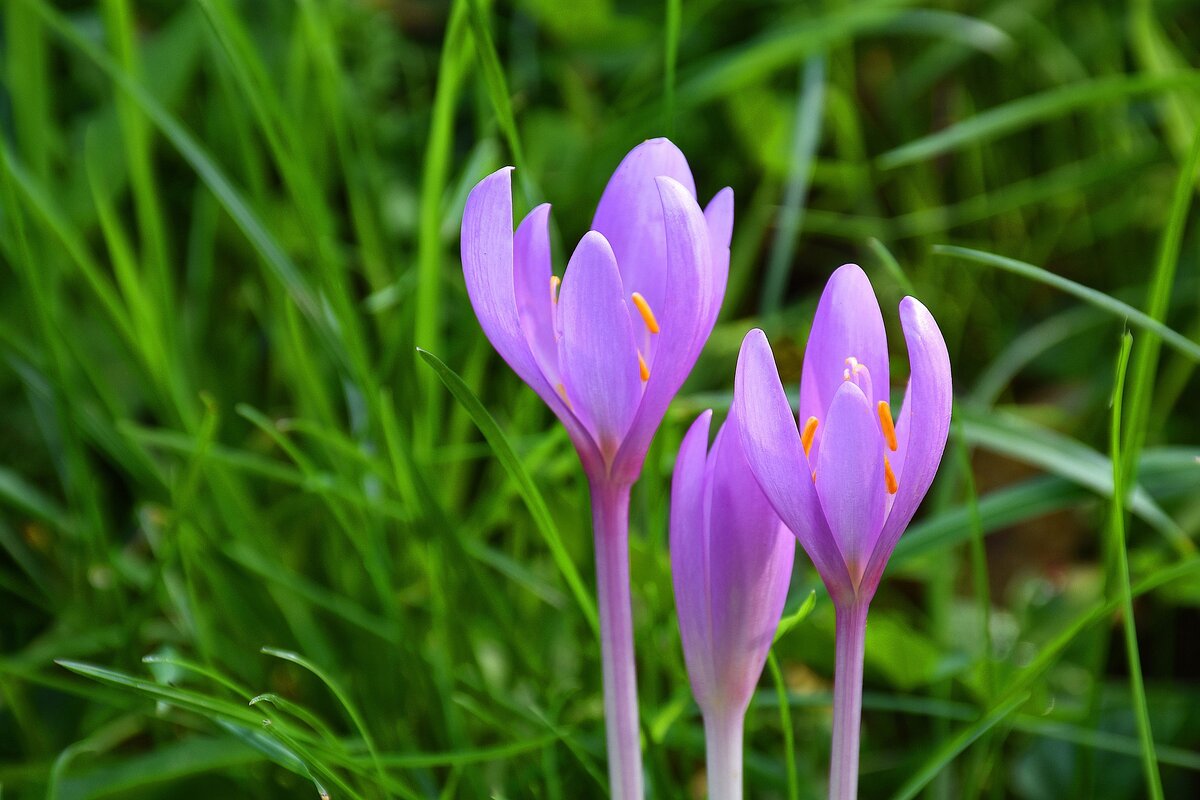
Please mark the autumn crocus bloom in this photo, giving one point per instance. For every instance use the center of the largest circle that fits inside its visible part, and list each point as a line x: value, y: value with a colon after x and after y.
x: 731, y: 562
x: 848, y: 479
x: 606, y: 348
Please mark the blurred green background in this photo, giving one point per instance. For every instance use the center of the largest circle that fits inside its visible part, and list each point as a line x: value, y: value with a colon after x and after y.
x: 226, y: 226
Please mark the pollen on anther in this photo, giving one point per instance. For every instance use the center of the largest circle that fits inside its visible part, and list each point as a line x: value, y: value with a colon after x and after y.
x: 808, y: 434
x: 647, y: 314
x: 889, y: 477
x: 554, y: 282
x: 562, y: 392
x: 888, y: 427
x: 645, y: 371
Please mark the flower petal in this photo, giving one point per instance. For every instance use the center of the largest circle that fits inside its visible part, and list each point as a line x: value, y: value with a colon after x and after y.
x: 771, y: 443
x: 848, y: 323
x: 597, y: 354
x: 689, y: 557
x: 688, y: 264
x: 850, y: 477
x: 923, y: 426
x: 535, y: 297
x: 488, y: 270
x: 719, y: 216
x: 750, y: 567
x: 630, y: 215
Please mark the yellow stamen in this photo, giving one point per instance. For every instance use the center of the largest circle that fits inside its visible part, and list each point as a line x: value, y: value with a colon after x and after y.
x: 644, y: 369
x: 808, y: 434
x: 889, y: 427
x: 647, y: 315
x: 889, y: 477
x: 852, y: 363
x: 554, y: 282
x: 562, y: 391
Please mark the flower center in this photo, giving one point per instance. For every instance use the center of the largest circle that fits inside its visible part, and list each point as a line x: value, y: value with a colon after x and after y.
x: 858, y: 373
x: 651, y: 321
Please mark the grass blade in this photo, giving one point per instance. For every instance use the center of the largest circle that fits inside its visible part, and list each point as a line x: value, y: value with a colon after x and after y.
x: 1096, y: 298
x: 525, y: 485
x: 1030, y: 110
x: 804, y: 150
x: 1117, y: 548
x: 953, y: 747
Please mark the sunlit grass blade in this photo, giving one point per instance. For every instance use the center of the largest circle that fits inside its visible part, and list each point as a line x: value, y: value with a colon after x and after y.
x: 1026, y: 441
x: 953, y: 747
x: 806, y: 138
x: 343, y: 699
x: 1029, y: 110
x: 1121, y: 556
x: 793, y: 619
x: 525, y: 485
x: 1124, y: 311
x: 785, y: 724
x: 1145, y: 352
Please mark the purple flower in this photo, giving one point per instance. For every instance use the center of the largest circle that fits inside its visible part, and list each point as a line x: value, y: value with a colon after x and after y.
x: 731, y: 562
x: 608, y: 350
x: 847, y: 480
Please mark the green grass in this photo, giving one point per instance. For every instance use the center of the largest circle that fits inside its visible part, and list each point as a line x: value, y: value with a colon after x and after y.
x: 275, y: 520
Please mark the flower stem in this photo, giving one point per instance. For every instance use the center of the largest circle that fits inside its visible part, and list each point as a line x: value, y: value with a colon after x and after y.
x: 610, y: 516
x: 723, y: 738
x: 847, y: 701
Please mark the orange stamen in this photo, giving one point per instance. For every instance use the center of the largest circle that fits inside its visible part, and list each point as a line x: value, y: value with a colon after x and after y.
x: 554, y: 282
x: 889, y: 428
x: 808, y: 434
x: 647, y: 315
x: 643, y: 368
x: 889, y: 477
x: 562, y: 391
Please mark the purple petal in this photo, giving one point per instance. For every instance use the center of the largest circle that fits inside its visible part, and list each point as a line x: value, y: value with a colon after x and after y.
x: 719, y: 216
x: 688, y: 263
x: 847, y: 324
x: 689, y: 557
x: 923, y: 426
x: 896, y: 458
x: 597, y: 354
x: 630, y: 215
x: 850, y: 477
x: 488, y: 269
x: 772, y: 446
x: 535, y: 299
x: 750, y: 567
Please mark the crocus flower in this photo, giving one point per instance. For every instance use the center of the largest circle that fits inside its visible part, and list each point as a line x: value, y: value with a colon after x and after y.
x: 847, y: 480
x: 606, y: 348
x: 731, y: 562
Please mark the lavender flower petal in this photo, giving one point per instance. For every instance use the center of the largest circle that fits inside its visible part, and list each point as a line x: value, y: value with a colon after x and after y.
x: 850, y: 477
x: 847, y: 324
x: 630, y: 215
x: 535, y: 299
x: 597, y: 354
x: 689, y: 558
x: 750, y: 566
x: 924, y: 430
x: 682, y: 316
x: 772, y: 446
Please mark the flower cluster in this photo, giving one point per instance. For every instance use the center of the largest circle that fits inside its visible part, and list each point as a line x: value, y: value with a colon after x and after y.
x: 609, y: 345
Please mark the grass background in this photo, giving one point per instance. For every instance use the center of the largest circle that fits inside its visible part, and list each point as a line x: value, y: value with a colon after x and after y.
x: 252, y: 544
